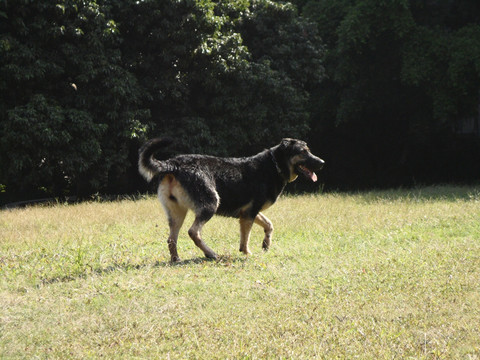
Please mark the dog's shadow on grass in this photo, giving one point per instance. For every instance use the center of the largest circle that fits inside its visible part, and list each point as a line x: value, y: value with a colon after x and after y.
x: 222, y: 260
x: 88, y: 271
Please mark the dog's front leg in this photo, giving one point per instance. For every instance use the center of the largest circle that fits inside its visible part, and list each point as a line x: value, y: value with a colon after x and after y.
x: 245, y: 228
x: 267, y: 225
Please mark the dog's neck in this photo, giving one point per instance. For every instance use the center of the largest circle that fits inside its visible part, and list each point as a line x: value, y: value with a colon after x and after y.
x: 275, y: 162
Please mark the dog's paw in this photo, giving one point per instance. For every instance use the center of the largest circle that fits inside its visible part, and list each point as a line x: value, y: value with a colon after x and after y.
x: 246, y: 251
x: 211, y: 256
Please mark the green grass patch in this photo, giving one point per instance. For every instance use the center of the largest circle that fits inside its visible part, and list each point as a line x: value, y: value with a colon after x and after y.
x: 387, y: 274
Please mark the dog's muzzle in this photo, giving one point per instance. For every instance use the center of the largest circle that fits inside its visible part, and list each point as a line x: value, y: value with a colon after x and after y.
x: 308, y: 168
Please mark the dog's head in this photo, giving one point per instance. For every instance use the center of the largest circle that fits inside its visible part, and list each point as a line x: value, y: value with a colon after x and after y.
x: 294, y: 158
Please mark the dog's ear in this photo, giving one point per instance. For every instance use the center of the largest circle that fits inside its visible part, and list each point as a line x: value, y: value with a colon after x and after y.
x: 286, y: 142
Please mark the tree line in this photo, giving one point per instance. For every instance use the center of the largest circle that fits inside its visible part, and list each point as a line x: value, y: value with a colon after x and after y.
x: 383, y: 91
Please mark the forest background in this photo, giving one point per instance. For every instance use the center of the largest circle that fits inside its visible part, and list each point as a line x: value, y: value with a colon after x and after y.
x: 387, y: 92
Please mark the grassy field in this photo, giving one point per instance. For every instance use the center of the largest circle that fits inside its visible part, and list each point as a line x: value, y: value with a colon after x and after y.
x: 392, y: 274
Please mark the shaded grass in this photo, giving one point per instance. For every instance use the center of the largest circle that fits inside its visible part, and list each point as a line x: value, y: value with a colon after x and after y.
x: 390, y: 274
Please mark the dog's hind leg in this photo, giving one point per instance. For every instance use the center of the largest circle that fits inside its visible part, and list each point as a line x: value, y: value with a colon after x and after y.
x: 176, y: 216
x: 172, y: 198
x: 267, y: 225
x: 189, y: 190
x: 206, y: 203
x: 195, y: 233
x: 245, y: 228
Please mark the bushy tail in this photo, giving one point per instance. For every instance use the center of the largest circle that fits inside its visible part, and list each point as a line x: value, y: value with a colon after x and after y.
x: 147, y: 166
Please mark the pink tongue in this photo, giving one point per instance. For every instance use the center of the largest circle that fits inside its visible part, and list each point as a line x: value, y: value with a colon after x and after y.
x: 312, y: 175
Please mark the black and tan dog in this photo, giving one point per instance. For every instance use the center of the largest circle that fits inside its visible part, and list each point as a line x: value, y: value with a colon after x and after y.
x: 236, y: 187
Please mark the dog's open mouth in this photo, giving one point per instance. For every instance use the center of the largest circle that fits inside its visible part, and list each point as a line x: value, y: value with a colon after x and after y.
x: 307, y: 172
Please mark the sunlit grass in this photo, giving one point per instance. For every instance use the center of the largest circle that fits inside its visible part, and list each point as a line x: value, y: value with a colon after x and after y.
x: 391, y: 274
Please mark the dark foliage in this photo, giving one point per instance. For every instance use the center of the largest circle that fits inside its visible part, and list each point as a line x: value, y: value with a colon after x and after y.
x: 387, y: 92
x: 403, y: 80
x: 85, y: 82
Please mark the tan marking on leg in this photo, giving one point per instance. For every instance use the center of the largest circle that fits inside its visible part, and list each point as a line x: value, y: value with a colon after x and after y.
x: 176, y: 216
x: 266, y: 206
x: 175, y: 202
x: 245, y: 228
x: 267, y: 225
x: 244, y: 209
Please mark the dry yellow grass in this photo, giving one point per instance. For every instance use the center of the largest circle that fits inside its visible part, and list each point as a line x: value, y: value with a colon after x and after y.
x: 391, y: 274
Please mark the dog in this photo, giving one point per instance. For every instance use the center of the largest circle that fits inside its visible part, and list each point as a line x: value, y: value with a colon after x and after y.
x: 233, y: 187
